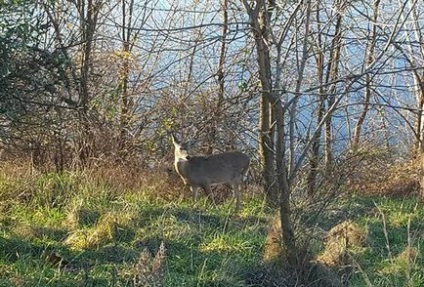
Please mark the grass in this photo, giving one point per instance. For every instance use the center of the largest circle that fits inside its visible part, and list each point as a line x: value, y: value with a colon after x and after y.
x: 101, y: 233
x: 74, y: 229
x: 394, y: 255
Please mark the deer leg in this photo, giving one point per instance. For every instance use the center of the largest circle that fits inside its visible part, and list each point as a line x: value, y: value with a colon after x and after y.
x: 236, y: 194
x: 208, y: 191
x: 194, y: 192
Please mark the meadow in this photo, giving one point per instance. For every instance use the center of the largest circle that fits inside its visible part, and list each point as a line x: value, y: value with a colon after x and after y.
x: 111, y: 228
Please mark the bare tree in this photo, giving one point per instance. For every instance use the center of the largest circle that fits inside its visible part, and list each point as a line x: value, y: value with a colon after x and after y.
x: 220, y: 74
x: 126, y: 101
x: 259, y: 16
x: 369, y: 60
x: 88, y: 12
x: 271, y: 138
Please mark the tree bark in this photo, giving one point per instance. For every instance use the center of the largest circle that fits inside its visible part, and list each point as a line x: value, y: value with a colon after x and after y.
x: 332, y: 74
x: 260, y: 29
x: 369, y: 59
x: 316, y: 144
x: 271, y: 110
x: 126, y: 103
x: 217, y: 113
x: 88, y: 19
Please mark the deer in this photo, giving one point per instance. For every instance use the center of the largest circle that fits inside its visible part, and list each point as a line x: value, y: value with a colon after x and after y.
x: 203, y: 171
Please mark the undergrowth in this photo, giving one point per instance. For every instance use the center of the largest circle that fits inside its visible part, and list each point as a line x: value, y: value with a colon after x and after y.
x: 74, y: 229
x: 85, y: 229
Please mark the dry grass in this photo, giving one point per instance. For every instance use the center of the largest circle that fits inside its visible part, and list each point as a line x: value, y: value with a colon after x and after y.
x: 20, y: 180
x: 401, y: 179
x: 340, y: 241
x: 149, y: 270
x: 376, y: 173
x: 310, y: 272
x: 162, y: 182
x: 16, y: 180
x: 109, y: 228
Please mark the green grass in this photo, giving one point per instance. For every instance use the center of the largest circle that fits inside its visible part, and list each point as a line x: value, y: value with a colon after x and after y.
x: 102, y: 232
x: 394, y: 255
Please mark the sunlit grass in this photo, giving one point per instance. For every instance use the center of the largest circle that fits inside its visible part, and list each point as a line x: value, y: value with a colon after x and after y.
x: 394, y: 255
x: 100, y: 231
x: 101, y: 228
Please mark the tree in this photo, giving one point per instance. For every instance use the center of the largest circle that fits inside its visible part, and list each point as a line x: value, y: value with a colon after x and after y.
x: 272, y: 120
x: 259, y: 16
x: 369, y: 59
x: 126, y: 101
x: 32, y: 79
x: 220, y: 74
x: 88, y: 12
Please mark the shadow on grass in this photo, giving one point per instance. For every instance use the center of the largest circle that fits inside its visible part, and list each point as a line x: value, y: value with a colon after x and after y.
x: 186, y: 261
x: 12, y: 249
x: 198, y: 217
x: 53, y: 234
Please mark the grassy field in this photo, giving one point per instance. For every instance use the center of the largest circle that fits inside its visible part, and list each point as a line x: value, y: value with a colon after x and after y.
x: 75, y: 229
x: 394, y: 248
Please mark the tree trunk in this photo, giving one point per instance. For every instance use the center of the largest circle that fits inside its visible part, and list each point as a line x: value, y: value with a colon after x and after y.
x: 126, y: 103
x: 332, y: 74
x: 284, y: 186
x: 88, y: 22
x: 271, y: 109
x: 265, y: 123
x: 314, y: 157
x: 422, y: 177
x: 260, y: 29
x: 315, y: 151
x: 368, y: 62
x: 216, y: 117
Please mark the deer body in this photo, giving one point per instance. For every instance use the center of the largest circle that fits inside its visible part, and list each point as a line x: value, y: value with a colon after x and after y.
x: 204, y: 171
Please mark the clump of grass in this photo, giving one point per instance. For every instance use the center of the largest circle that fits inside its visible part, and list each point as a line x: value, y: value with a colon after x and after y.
x: 110, y: 227
x: 55, y: 189
x: 340, y: 242
x: 404, y: 263
x: 81, y: 217
x: 149, y: 271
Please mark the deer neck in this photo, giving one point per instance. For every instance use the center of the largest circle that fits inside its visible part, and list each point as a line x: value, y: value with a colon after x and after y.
x: 181, y: 167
